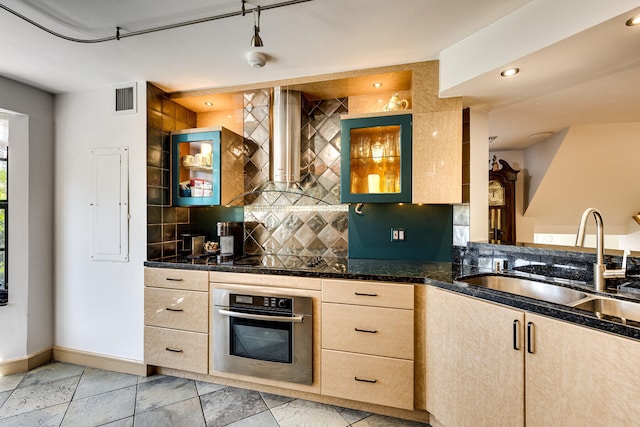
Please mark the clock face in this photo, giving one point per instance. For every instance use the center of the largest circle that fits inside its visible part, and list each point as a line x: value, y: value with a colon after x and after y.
x: 496, y: 193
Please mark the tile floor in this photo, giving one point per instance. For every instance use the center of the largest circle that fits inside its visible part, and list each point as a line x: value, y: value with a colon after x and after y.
x: 63, y: 394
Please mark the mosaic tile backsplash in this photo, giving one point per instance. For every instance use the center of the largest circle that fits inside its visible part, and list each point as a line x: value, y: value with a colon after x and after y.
x: 165, y: 223
x: 305, y: 219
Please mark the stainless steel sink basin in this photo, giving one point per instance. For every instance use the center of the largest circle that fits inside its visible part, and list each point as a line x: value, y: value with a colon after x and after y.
x: 527, y: 288
x: 606, y: 308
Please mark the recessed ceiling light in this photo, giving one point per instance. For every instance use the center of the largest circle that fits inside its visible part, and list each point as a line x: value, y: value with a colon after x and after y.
x: 377, y: 84
x: 632, y: 22
x: 510, y: 72
x: 209, y: 104
x: 541, y: 135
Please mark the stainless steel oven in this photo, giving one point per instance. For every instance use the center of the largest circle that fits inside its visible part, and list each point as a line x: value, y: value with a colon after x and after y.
x: 267, y: 335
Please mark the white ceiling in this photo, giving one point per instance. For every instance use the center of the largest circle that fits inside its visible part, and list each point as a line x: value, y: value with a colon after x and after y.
x: 596, y: 78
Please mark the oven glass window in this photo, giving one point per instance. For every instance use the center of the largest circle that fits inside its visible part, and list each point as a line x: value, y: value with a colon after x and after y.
x: 262, y: 340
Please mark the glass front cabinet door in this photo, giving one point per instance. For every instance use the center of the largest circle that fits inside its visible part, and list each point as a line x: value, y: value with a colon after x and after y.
x: 376, y: 159
x: 207, y: 166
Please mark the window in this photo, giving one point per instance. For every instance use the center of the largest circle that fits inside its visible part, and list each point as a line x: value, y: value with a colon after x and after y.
x: 4, y: 205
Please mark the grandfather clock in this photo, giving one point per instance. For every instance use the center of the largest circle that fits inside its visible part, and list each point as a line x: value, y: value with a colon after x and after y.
x: 502, y: 202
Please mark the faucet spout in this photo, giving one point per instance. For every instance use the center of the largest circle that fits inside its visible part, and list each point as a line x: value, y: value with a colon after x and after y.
x: 600, y: 272
x: 599, y: 232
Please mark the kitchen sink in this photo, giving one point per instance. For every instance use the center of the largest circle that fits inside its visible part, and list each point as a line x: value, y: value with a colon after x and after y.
x: 611, y: 309
x: 527, y: 288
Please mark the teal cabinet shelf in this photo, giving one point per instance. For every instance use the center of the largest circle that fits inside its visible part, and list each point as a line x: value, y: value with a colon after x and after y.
x: 206, y: 166
x: 375, y: 159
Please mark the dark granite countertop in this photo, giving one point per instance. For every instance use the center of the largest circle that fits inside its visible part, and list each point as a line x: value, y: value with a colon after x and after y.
x: 557, y: 311
x: 336, y: 268
x: 439, y: 274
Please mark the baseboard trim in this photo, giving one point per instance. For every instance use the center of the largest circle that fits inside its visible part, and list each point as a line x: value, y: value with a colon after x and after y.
x: 100, y: 361
x: 24, y: 364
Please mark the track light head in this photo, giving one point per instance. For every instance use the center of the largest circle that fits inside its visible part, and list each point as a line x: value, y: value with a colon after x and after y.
x: 256, y: 41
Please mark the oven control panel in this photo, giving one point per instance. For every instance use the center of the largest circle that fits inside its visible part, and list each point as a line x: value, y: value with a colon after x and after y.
x: 262, y: 303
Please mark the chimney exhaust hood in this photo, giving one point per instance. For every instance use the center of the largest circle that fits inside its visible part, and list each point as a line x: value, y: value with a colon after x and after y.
x: 286, y: 129
x: 285, y: 170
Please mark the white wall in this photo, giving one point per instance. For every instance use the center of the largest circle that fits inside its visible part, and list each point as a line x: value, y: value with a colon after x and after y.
x: 579, y: 167
x: 538, y: 158
x: 582, y: 167
x: 479, y: 201
x: 98, y: 305
x: 534, y: 26
x: 26, y: 323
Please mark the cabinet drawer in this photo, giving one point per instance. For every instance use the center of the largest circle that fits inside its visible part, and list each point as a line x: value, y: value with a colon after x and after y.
x: 176, y: 309
x: 176, y: 279
x: 378, y: 294
x: 372, y: 379
x: 371, y: 330
x: 183, y: 350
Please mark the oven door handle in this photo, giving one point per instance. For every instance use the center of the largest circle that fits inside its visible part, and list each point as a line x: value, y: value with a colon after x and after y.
x: 284, y: 319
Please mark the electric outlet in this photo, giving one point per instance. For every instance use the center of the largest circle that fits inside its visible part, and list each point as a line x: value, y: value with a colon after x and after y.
x: 398, y: 234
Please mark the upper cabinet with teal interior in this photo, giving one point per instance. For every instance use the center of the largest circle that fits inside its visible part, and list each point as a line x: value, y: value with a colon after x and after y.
x: 207, y: 166
x: 376, y: 159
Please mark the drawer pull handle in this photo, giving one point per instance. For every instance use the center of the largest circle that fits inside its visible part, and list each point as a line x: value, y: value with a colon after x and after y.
x: 366, y: 330
x: 173, y: 350
x: 171, y: 279
x: 173, y: 309
x: 365, y: 381
x: 360, y: 294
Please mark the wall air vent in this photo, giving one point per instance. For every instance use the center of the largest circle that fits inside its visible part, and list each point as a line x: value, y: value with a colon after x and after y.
x: 125, y: 98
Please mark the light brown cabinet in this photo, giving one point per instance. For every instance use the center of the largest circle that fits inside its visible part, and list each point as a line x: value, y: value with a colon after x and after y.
x: 437, y: 157
x: 176, y: 349
x: 474, y: 374
x: 368, y: 342
x: 176, y: 318
x: 359, y: 329
x: 176, y: 309
x: 176, y: 279
x: 376, y: 294
x: 578, y: 376
x: 493, y: 365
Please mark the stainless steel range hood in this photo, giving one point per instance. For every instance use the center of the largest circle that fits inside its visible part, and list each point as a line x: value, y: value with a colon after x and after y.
x: 286, y: 174
x: 286, y: 129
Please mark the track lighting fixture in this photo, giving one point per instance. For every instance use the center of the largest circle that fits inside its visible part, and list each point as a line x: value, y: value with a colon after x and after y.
x: 120, y: 34
x: 255, y: 57
x: 256, y: 41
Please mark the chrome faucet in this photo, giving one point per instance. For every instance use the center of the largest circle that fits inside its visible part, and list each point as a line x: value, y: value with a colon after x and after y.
x: 600, y: 272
